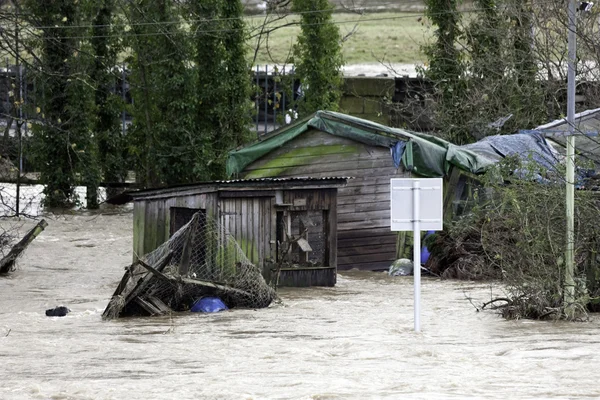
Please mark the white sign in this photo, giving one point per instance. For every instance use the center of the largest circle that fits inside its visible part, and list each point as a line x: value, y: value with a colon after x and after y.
x: 430, y: 204
x: 416, y: 205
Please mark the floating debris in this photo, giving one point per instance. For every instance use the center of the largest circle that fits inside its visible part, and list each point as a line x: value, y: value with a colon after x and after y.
x: 201, y: 259
x: 59, y: 311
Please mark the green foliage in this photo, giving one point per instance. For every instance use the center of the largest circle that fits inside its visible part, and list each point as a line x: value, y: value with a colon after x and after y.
x: 106, y: 45
x: 63, y: 145
x: 317, y: 56
x: 223, y: 108
x: 483, y: 69
x: 212, y: 97
x: 162, y: 138
x: 516, y: 233
x: 237, y: 81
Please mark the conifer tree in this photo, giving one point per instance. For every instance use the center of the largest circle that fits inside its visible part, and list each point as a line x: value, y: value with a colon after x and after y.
x: 212, y: 94
x: 105, y: 75
x: 63, y: 146
x: 162, y: 137
x: 238, y: 77
x: 317, y: 56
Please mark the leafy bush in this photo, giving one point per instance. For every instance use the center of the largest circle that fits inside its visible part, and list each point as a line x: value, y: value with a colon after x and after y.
x: 516, y: 233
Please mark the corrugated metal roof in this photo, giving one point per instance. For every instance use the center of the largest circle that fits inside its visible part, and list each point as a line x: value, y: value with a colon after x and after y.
x: 257, y: 183
x: 585, y: 122
x: 290, y: 179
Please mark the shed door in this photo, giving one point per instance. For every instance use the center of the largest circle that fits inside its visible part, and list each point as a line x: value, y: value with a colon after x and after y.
x: 181, y: 216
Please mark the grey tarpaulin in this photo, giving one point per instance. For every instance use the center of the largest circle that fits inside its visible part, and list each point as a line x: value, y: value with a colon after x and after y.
x: 526, y: 147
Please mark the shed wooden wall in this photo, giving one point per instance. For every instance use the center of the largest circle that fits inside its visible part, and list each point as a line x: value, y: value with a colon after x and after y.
x: 250, y: 217
x: 364, y: 237
x: 152, y: 220
x: 252, y: 222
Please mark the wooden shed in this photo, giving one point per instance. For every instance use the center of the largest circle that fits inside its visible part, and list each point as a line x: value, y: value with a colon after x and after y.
x: 334, y: 144
x: 281, y: 224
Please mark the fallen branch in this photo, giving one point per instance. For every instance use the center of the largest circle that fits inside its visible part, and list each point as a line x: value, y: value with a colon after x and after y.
x: 8, y: 262
x: 508, y: 301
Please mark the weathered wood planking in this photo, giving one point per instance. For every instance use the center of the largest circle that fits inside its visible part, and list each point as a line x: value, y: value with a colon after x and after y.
x: 362, y: 206
x: 248, y: 220
x: 248, y: 212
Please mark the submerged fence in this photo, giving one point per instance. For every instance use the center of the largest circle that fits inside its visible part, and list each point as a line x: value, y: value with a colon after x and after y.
x: 275, y: 90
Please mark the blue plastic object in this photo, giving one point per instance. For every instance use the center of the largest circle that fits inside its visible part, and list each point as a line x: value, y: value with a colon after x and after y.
x: 425, y: 251
x: 209, y: 305
x: 424, y: 255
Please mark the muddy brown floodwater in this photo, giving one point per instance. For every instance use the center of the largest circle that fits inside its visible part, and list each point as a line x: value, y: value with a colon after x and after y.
x: 352, y: 341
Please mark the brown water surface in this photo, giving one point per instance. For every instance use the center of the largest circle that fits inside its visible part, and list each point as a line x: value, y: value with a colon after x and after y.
x: 352, y: 341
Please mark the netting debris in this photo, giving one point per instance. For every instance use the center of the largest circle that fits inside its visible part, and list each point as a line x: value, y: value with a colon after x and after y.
x: 200, y: 259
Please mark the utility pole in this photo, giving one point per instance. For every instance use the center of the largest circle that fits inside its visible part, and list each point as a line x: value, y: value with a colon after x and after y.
x: 18, y: 103
x: 569, y: 285
x: 569, y: 281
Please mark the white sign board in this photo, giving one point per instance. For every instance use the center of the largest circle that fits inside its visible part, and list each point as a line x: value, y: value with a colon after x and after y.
x: 430, y: 204
x: 417, y: 205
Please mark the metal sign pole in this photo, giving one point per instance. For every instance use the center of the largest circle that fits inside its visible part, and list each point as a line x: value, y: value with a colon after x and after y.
x: 409, y: 211
x: 417, y: 252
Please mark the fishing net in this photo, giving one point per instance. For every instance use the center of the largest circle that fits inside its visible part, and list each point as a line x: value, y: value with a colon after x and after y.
x: 200, y: 259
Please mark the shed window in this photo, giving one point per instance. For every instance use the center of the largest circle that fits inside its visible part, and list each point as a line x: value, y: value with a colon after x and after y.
x: 307, y: 232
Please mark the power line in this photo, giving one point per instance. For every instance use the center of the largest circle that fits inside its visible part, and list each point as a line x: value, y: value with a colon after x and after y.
x: 175, y: 22
x: 199, y: 32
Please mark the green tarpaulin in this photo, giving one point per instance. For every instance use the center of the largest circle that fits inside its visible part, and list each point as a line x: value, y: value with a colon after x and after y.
x: 425, y: 155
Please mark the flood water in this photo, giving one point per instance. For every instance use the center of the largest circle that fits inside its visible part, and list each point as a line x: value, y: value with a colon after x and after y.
x: 352, y: 341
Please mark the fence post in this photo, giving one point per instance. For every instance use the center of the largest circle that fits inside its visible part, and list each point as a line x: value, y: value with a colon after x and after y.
x: 284, y: 111
x: 266, y: 96
x: 257, y: 101
x: 274, y: 99
x: 123, y: 116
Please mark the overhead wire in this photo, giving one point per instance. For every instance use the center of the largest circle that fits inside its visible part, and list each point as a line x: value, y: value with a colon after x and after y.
x: 405, y: 15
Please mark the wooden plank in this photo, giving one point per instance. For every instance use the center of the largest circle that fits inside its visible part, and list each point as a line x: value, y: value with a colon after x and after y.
x: 323, y: 153
x: 186, y: 253
x: 368, y: 266
x: 246, y: 193
x: 359, y: 225
x: 113, y: 303
x: 311, y: 138
x: 364, y: 250
x: 376, y: 198
x: 385, y: 171
x: 159, y: 304
x: 366, y: 258
x: 384, y: 240
x: 146, y: 305
x: 256, y: 237
x: 450, y: 192
x: 169, y: 205
x: 323, y: 168
x: 139, y: 217
x: 365, y: 189
x: 366, y: 232
x: 150, y: 308
x: 272, y: 232
x: 160, y: 265
x: 243, y: 239
x: 211, y: 285
x: 332, y: 227
x: 344, y: 217
x: 150, y: 224
x: 161, y: 221
x: 305, y: 277
x: 364, y: 207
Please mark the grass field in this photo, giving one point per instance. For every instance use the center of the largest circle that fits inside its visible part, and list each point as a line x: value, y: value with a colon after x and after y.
x: 390, y: 37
